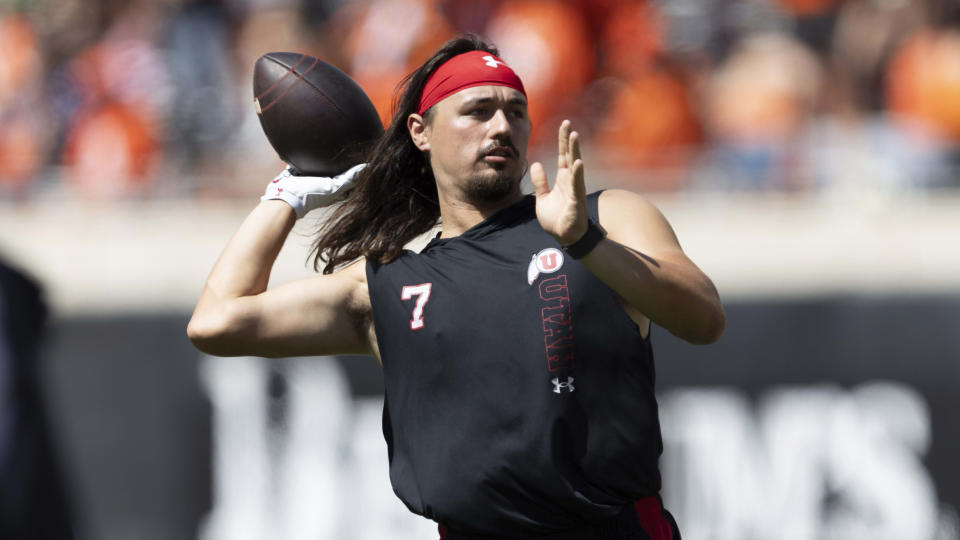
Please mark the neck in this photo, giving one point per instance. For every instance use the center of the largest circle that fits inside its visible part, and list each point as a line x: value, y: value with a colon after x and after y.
x: 459, y: 215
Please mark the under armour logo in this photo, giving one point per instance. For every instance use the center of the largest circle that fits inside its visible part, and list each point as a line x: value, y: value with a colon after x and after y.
x: 559, y: 386
x: 492, y: 62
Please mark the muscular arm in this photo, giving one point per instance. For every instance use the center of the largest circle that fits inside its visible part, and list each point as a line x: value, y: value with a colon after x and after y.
x: 236, y: 315
x: 640, y: 259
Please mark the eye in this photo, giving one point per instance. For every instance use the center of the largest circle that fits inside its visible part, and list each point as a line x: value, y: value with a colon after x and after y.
x: 517, y: 113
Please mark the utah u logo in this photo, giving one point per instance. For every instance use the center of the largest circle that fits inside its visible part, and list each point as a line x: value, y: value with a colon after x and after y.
x: 546, y: 261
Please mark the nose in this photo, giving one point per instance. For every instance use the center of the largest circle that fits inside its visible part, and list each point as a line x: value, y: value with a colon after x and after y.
x: 499, y: 123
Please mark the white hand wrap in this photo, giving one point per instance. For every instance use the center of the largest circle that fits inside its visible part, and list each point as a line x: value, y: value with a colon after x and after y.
x: 304, y: 193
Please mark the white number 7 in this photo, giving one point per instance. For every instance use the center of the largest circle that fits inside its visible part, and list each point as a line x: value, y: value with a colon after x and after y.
x: 422, y: 292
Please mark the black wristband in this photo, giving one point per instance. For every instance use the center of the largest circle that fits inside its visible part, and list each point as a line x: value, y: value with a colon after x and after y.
x: 595, y: 233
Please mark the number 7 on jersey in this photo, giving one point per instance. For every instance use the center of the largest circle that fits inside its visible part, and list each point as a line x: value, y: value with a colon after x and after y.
x: 422, y: 292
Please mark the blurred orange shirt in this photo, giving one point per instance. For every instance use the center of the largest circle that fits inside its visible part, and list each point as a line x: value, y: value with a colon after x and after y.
x: 923, y: 82
x: 651, y: 122
x: 387, y: 40
x: 110, y: 151
x: 631, y: 39
x: 22, y: 151
x: 807, y: 8
x: 548, y: 44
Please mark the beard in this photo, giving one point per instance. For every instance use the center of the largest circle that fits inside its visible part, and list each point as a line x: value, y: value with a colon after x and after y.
x: 498, y: 181
x: 493, y: 186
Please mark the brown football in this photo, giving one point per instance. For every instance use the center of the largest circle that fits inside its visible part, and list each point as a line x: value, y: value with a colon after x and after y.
x: 315, y: 116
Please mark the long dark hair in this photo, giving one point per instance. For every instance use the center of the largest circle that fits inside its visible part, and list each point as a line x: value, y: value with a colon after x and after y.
x: 395, y: 197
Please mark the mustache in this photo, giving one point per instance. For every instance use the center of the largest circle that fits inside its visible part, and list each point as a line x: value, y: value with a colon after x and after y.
x: 499, y: 147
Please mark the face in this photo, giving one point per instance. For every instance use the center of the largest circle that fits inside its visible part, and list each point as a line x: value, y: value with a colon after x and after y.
x: 477, y: 142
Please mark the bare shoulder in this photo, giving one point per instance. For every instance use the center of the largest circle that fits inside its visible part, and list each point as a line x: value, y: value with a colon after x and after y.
x: 357, y: 302
x: 346, y: 289
x: 354, y: 277
x: 631, y: 219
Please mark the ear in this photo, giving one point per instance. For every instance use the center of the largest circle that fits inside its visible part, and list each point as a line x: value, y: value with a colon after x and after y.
x: 419, y: 132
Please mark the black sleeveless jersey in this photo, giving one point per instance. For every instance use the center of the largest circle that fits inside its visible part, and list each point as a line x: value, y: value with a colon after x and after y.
x: 519, y: 394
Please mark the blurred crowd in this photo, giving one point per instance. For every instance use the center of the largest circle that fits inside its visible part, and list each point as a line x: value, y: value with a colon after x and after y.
x: 120, y: 99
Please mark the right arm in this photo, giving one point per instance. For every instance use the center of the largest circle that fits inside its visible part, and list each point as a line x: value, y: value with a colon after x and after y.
x: 236, y: 314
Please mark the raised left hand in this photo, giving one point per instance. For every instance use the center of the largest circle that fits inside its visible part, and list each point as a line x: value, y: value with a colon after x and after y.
x: 562, y: 210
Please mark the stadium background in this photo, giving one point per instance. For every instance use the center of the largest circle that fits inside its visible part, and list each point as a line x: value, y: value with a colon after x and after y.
x: 804, y: 150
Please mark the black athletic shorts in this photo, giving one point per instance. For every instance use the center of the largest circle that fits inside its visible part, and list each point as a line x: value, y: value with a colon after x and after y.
x: 646, y: 519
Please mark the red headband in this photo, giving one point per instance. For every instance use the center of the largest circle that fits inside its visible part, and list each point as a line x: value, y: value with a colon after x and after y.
x: 474, y: 68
